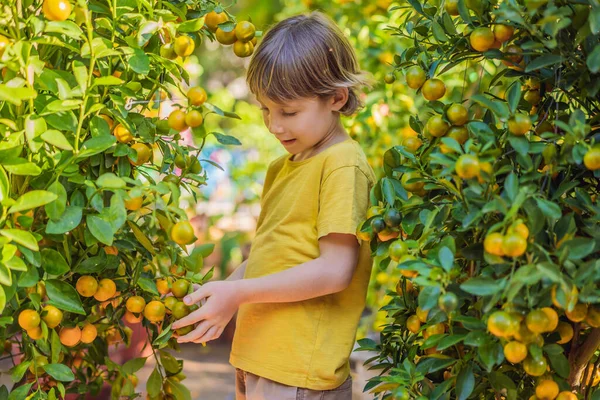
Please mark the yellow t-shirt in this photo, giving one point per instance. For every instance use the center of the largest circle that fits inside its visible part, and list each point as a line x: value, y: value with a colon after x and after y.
x: 306, y: 343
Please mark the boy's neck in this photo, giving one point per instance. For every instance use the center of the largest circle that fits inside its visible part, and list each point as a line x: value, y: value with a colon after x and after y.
x: 336, y: 135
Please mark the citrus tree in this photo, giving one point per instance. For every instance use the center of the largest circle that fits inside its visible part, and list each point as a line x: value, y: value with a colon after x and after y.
x: 494, y: 203
x: 91, y: 231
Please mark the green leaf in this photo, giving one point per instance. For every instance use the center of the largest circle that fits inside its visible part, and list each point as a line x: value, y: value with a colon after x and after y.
x: 387, y: 189
x: 498, y: 108
x: 60, y: 372
x: 593, y: 60
x: 192, y: 25
x: 132, y: 366
x: 107, y: 81
x: 148, y: 285
x: 511, y: 186
x: 428, y: 297
x: 549, y: 209
x: 5, y: 275
x: 501, y: 382
x: 57, y: 139
x: 22, y: 167
x: 594, y: 20
x: 53, y: 262
x: 560, y: 364
x: 139, y: 62
x: 68, y: 28
x: 154, y: 383
x: 32, y: 199
x: 81, y: 74
x: 68, y: 221
x: 111, y: 181
x: 465, y: 383
x: 15, y: 95
x: 180, y: 392
x: 519, y: 143
x: 483, y: 286
x: 543, y: 61
x: 2, y: 299
x: 514, y: 96
x: 438, y: 32
x: 446, y: 258
x: 21, y: 237
x: 64, y: 296
x: 17, y: 372
x: 20, y: 393
x: 580, y: 247
x: 141, y: 237
x: 100, y: 229
x: 56, y: 208
x: 226, y: 139
x: 96, y: 145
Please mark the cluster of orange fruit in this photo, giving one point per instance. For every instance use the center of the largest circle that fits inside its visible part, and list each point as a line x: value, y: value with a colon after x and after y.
x: 180, y: 120
x: 513, y: 244
x: 123, y: 135
x: 30, y: 321
x: 242, y: 35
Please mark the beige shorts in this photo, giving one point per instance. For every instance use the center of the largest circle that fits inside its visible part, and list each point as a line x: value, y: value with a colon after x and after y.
x: 253, y: 387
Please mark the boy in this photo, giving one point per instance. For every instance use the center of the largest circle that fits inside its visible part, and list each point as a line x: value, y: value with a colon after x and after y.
x: 302, y: 290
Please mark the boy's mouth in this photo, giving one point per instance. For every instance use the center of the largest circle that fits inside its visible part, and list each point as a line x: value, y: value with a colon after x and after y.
x: 288, y: 142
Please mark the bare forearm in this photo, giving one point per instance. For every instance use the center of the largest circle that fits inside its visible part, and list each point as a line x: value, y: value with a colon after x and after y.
x: 305, y: 281
x: 238, y: 273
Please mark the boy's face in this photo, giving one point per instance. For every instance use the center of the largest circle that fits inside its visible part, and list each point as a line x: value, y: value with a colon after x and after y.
x: 300, y: 124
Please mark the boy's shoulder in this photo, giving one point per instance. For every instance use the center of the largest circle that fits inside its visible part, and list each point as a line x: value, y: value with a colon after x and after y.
x: 347, y: 154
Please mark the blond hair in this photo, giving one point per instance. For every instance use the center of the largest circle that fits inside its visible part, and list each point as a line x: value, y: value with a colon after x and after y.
x: 306, y: 56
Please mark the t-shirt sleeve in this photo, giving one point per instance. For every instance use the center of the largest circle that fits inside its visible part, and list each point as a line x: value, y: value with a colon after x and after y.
x: 343, y: 202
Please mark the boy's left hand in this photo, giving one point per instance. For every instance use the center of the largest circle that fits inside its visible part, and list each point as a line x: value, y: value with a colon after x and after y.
x: 221, y: 304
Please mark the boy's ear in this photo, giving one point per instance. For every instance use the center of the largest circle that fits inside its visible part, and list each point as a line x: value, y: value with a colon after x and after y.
x: 339, y: 99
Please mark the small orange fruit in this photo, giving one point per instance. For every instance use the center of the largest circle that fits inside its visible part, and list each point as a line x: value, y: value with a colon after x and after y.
x: 143, y: 154
x: 182, y: 233
x: 213, y: 19
x: 245, y: 31
x: 135, y: 304
x: 155, y: 311
x: 183, y: 46
x: 436, y: 126
x: 194, y: 118
x: 88, y: 333
x: 29, y: 319
x: 56, y: 10
x: 176, y: 120
x: 196, y: 96
x: 503, y: 33
x: 467, y: 166
x: 493, y: 244
x: 514, y: 245
x: 52, y: 316
x: 457, y: 114
x: 86, y: 286
x: 70, y: 336
x: 225, y: 38
x: 591, y: 159
x: 243, y: 49
x: 415, y: 77
x: 106, y: 290
x: 122, y: 134
x: 482, y: 39
x: 515, y: 352
x: 433, y: 89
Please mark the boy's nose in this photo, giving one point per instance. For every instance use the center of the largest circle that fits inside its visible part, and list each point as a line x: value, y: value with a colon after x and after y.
x: 275, y: 128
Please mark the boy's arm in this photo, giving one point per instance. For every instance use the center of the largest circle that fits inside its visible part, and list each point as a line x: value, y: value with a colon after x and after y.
x: 238, y: 273
x: 331, y: 272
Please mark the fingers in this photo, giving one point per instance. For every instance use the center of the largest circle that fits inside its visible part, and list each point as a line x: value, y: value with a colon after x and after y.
x: 211, y: 334
x: 191, y: 318
x: 196, y: 333
x: 197, y: 295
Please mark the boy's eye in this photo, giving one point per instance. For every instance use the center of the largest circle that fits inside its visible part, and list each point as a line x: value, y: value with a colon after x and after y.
x: 288, y: 114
